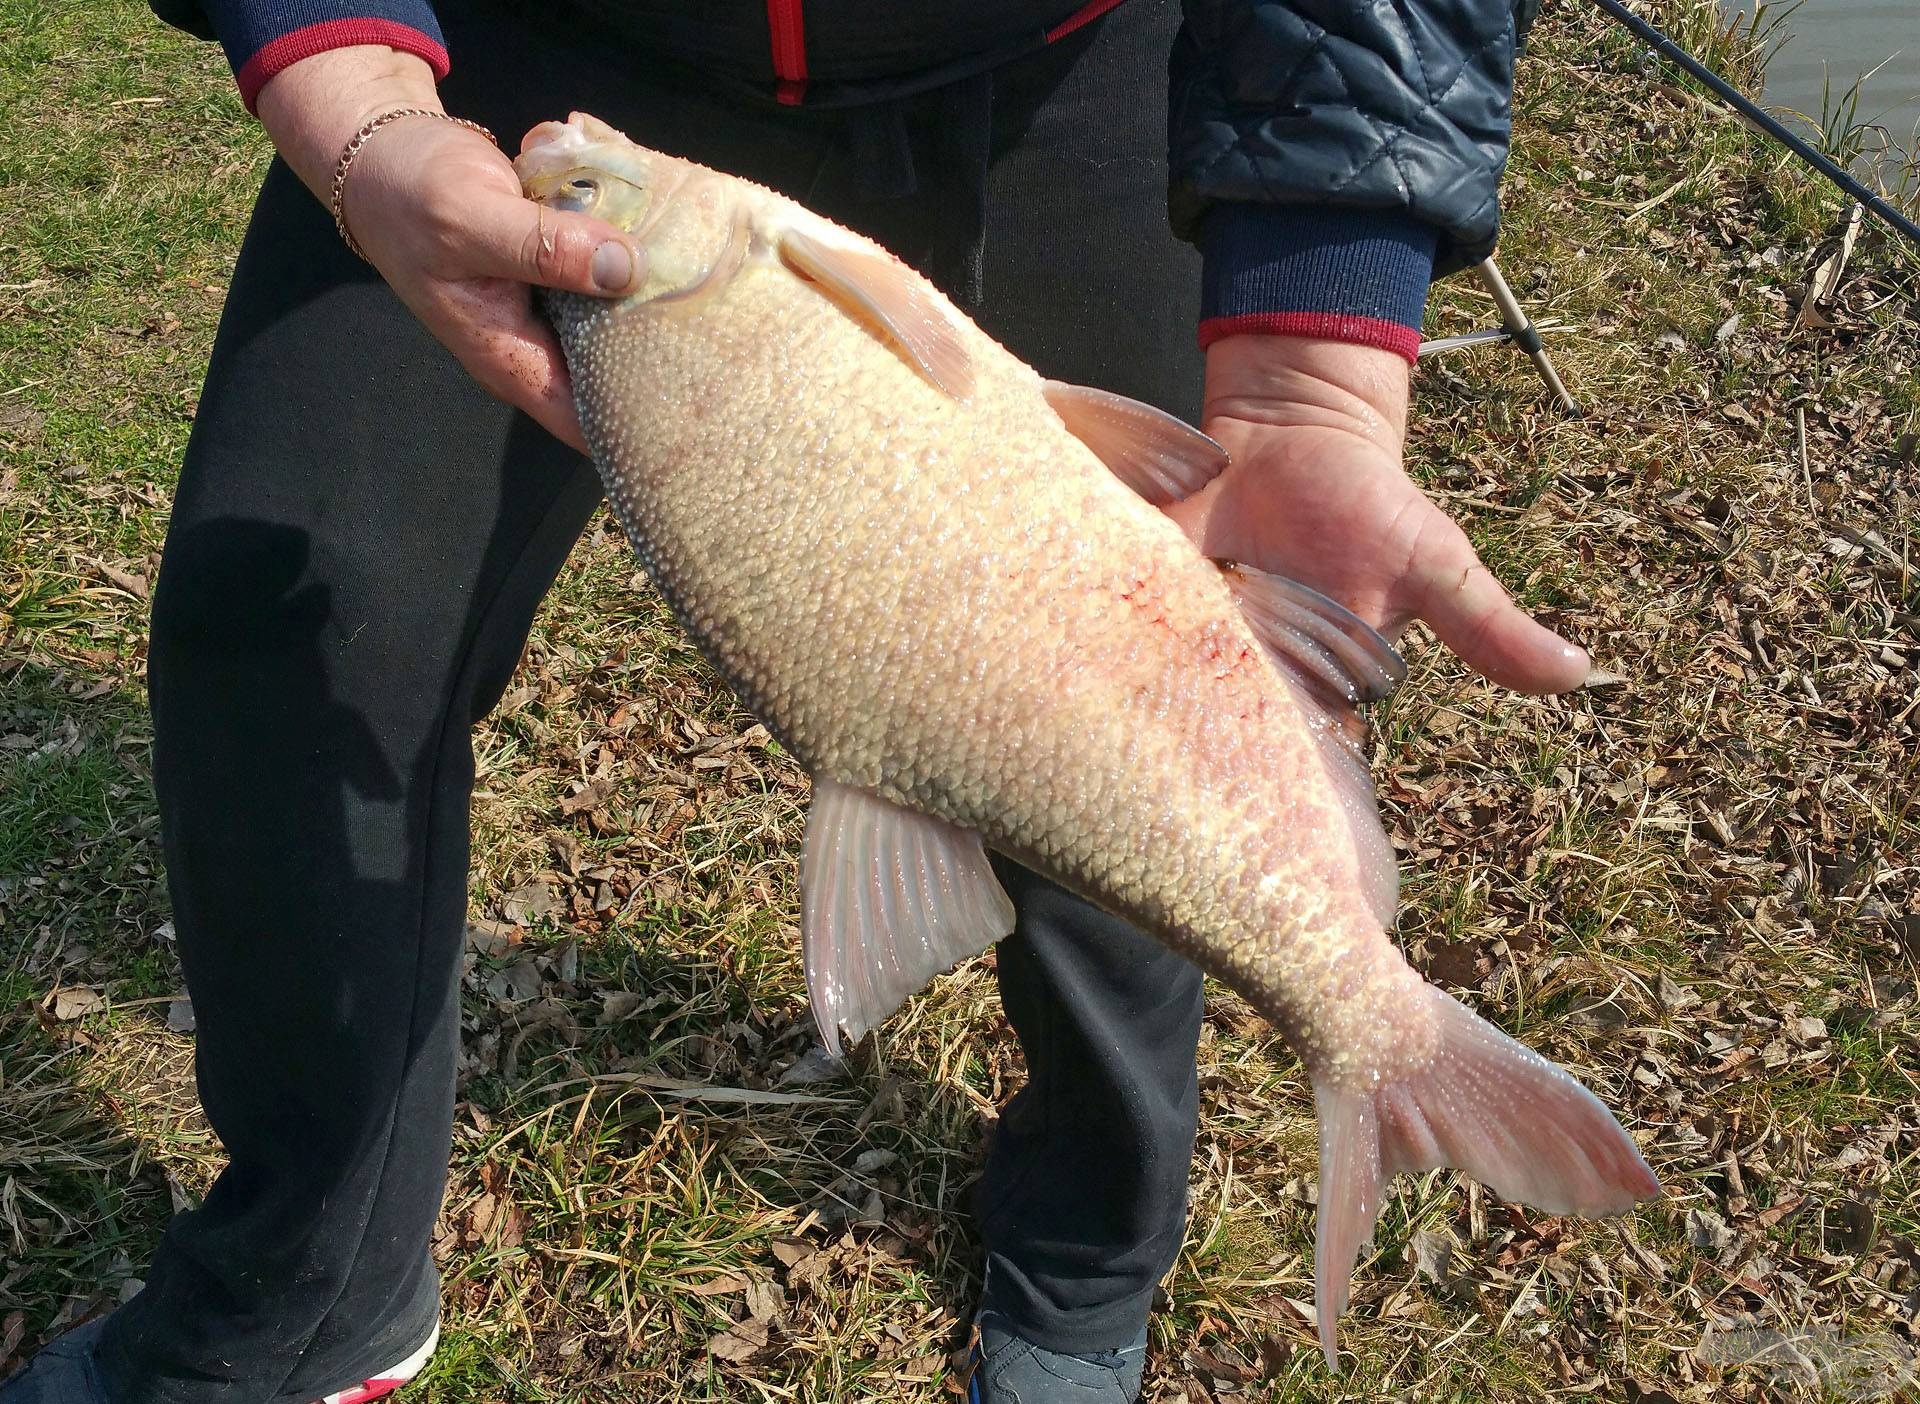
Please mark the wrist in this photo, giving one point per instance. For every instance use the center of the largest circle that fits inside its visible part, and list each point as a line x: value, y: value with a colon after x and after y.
x: 312, y: 108
x: 1319, y: 272
x: 1310, y: 382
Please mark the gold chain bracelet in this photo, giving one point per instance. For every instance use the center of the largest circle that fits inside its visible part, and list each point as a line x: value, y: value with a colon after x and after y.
x: 359, y: 139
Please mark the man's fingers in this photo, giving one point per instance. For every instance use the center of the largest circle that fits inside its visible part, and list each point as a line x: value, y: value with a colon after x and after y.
x: 518, y: 376
x: 513, y: 354
x: 1478, y: 620
x: 529, y: 243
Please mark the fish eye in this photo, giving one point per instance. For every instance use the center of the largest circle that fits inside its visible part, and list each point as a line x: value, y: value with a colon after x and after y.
x: 579, y: 193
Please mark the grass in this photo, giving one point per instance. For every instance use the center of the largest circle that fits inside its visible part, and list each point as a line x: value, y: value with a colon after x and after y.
x: 1652, y: 882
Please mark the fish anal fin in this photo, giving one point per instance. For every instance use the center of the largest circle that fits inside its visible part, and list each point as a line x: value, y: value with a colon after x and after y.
x: 889, y: 899
x: 1158, y: 455
x: 892, y: 300
x: 1490, y: 1106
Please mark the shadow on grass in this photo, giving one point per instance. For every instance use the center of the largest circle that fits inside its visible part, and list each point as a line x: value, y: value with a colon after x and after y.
x: 82, y: 1200
x: 83, y: 1197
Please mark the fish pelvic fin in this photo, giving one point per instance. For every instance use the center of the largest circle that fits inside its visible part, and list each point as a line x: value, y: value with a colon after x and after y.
x: 893, y: 300
x: 1485, y: 1104
x: 889, y: 898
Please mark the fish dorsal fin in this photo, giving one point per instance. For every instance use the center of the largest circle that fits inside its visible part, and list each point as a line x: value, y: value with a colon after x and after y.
x: 889, y: 899
x: 1158, y: 455
x: 1332, y: 660
x: 888, y: 296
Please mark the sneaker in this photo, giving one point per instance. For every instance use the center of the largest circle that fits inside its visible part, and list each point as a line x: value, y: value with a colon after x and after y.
x: 380, y: 1385
x: 1008, y: 1370
x: 66, y: 1373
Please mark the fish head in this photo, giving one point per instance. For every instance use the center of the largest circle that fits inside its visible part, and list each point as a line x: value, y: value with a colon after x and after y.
x: 688, y: 219
x: 582, y: 164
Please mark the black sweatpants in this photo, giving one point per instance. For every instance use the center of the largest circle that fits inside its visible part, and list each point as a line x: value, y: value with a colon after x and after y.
x: 360, y: 539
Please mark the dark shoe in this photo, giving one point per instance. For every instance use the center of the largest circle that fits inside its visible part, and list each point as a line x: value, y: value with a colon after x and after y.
x: 65, y: 1373
x: 1008, y: 1370
x: 62, y: 1373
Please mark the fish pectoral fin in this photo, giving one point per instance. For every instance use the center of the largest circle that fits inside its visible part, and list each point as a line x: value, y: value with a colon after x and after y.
x: 891, y: 299
x: 1323, y: 641
x: 1519, y: 1124
x: 889, y: 898
x: 1158, y: 455
x: 1332, y: 660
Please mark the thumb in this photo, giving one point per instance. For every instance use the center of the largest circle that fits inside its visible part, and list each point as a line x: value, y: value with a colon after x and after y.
x: 525, y: 241
x: 1457, y: 595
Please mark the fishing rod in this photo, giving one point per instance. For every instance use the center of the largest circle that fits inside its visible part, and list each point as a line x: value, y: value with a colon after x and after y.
x: 1767, y: 123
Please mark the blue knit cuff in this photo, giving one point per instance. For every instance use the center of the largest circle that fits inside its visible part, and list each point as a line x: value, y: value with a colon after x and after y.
x: 261, y: 37
x: 1315, y: 270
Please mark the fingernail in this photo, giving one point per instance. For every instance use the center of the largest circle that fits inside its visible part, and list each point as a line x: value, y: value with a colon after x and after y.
x: 612, y: 266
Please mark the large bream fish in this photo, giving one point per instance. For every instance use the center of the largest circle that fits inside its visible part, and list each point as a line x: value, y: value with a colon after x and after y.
x: 946, y: 585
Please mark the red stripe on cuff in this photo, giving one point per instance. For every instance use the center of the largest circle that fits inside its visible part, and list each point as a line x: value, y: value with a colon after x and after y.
x: 1329, y: 326
x: 297, y: 44
x: 1086, y: 14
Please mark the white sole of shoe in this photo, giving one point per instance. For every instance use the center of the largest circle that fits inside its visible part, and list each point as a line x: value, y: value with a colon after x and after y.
x: 387, y: 1381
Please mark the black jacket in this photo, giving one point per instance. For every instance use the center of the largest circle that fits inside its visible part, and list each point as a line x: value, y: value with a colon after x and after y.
x: 1328, y: 156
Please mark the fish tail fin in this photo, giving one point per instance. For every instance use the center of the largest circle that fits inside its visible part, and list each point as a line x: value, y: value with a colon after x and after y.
x: 1486, y: 1105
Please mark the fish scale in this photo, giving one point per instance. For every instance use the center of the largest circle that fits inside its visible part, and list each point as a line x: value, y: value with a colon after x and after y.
x: 946, y: 585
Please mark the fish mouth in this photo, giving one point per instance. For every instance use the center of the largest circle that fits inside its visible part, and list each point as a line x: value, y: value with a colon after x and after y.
x: 554, y: 152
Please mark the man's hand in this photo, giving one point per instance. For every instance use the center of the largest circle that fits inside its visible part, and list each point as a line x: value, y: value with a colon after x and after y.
x: 1316, y: 492
x: 439, y: 212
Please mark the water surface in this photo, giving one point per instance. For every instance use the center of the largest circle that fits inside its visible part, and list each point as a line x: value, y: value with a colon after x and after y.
x: 1838, y: 41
